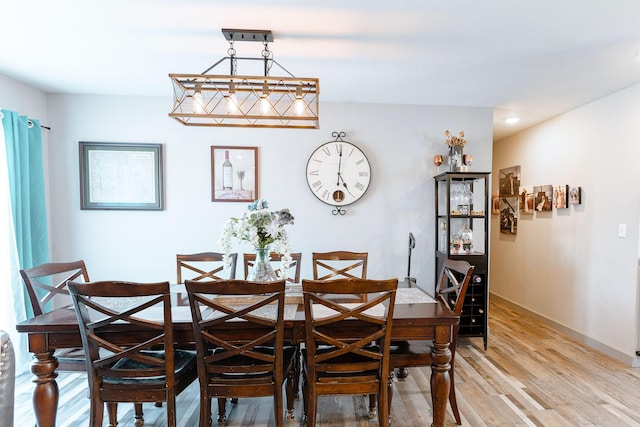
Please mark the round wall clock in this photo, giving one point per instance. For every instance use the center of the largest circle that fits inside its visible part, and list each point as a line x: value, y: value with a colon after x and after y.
x: 338, y: 173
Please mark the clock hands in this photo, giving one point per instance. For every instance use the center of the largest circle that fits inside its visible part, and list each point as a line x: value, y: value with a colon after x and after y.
x: 340, y: 178
x: 339, y: 165
x: 345, y: 185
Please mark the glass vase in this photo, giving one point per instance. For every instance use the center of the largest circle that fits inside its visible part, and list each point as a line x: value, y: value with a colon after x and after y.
x: 262, y: 270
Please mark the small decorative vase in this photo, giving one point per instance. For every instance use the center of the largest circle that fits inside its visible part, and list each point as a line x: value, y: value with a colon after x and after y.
x: 455, y: 158
x: 262, y: 270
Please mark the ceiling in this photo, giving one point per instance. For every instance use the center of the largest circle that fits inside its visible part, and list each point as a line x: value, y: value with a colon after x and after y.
x: 535, y: 59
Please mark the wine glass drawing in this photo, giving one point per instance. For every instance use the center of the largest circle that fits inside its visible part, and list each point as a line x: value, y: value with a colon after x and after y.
x: 437, y: 160
x: 240, y: 177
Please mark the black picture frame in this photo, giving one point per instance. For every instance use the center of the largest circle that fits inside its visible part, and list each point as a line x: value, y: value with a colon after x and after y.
x: 121, y: 176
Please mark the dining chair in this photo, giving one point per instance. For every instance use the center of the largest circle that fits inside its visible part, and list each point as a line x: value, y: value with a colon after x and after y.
x: 146, y: 368
x: 347, y: 344
x: 203, y: 266
x: 294, y: 267
x: 339, y: 264
x: 228, y: 367
x: 455, y: 277
x: 46, y: 285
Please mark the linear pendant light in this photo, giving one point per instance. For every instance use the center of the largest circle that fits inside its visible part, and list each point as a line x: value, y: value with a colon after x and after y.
x: 243, y: 100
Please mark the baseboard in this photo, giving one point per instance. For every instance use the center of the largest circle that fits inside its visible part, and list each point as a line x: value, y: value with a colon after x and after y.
x: 633, y: 361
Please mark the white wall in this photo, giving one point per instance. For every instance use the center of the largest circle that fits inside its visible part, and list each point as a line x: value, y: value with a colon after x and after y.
x: 399, y: 140
x: 569, y: 265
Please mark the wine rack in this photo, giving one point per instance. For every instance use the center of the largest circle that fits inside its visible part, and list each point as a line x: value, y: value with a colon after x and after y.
x: 462, y: 232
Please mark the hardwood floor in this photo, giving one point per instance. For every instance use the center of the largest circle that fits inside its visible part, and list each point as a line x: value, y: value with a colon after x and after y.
x: 531, y: 375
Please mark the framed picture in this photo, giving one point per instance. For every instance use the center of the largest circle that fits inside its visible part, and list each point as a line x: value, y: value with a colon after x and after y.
x: 575, y: 196
x: 509, y: 181
x: 509, y: 215
x: 561, y: 196
x: 526, y: 202
x: 495, y: 203
x: 543, y: 195
x: 126, y: 176
x: 234, y: 174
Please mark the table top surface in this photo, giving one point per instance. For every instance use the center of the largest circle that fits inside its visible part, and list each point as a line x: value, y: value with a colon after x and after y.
x: 413, y: 306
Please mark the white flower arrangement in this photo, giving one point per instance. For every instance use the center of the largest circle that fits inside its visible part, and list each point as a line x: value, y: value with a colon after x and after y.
x: 261, y: 228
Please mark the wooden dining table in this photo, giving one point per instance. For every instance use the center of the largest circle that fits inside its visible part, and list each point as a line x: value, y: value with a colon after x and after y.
x: 417, y: 316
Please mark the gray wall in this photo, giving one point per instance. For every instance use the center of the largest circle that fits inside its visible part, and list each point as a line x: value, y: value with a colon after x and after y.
x: 399, y: 141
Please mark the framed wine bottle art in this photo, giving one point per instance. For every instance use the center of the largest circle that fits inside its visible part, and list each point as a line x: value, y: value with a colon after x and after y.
x: 234, y: 174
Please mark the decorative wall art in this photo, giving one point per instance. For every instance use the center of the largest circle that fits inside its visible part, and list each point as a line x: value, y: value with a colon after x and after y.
x: 509, y: 180
x: 526, y: 202
x: 561, y: 196
x: 495, y: 203
x: 575, y: 196
x: 509, y: 215
x: 234, y: 174
x: 543, y: 196
x: 124, y: 176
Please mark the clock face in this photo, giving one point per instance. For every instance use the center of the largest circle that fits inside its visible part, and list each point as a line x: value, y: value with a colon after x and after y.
x: 338, y: 173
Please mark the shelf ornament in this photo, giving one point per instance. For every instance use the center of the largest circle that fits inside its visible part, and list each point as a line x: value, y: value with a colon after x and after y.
x: 456, y: 156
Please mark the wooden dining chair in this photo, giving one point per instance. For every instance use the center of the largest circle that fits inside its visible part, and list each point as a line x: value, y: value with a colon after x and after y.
x: 203, y: 266
x: 340, y: 357
x: 229, y: 368
x: 454, y: 280
x: 293, y: 272
x: 137, y: 366
x: 46, y: 285
x: 339, y: 264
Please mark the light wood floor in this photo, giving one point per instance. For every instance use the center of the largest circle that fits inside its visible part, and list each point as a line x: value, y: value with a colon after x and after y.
x: 530, y: 376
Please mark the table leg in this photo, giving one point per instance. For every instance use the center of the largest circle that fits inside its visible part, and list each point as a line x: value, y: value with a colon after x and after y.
x: 440, y: 378
x: 45, y: 394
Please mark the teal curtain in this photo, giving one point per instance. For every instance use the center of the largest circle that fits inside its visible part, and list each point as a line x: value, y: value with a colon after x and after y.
x: 23, y: 145
x: 23, y: 140
x: 23, y: 221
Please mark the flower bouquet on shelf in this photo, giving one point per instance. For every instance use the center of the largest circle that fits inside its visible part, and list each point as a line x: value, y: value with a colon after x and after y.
x: 264, y: 230
x: 455, y: 145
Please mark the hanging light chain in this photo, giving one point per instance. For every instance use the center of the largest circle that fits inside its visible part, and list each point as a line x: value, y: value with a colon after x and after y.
x: 232, y: 55
x: 267, y: 55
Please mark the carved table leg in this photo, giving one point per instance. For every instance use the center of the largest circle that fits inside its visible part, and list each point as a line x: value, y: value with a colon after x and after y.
x: 440, y: 378
x: 45, y: 394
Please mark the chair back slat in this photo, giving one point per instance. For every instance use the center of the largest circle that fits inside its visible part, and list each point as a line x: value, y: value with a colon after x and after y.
x: 46, y: 282
x: 204, y: 266
x: 100, y: 305
x: 455, y: 277
x: 339, y: 264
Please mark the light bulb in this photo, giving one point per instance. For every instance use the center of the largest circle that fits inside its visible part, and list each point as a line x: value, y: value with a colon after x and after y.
x: 299, y: 103
x: 232, y: 102
x: 265, y: 106
x: 198, y: 106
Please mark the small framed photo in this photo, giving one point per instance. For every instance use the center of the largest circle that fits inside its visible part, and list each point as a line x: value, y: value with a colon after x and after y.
x: 526, y: 202
x: 575, y: 196
x: 561, y: 196
x: 125, y: 176
x: 543, y: 195
x: 495, y: 204
x: 234, y: 174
